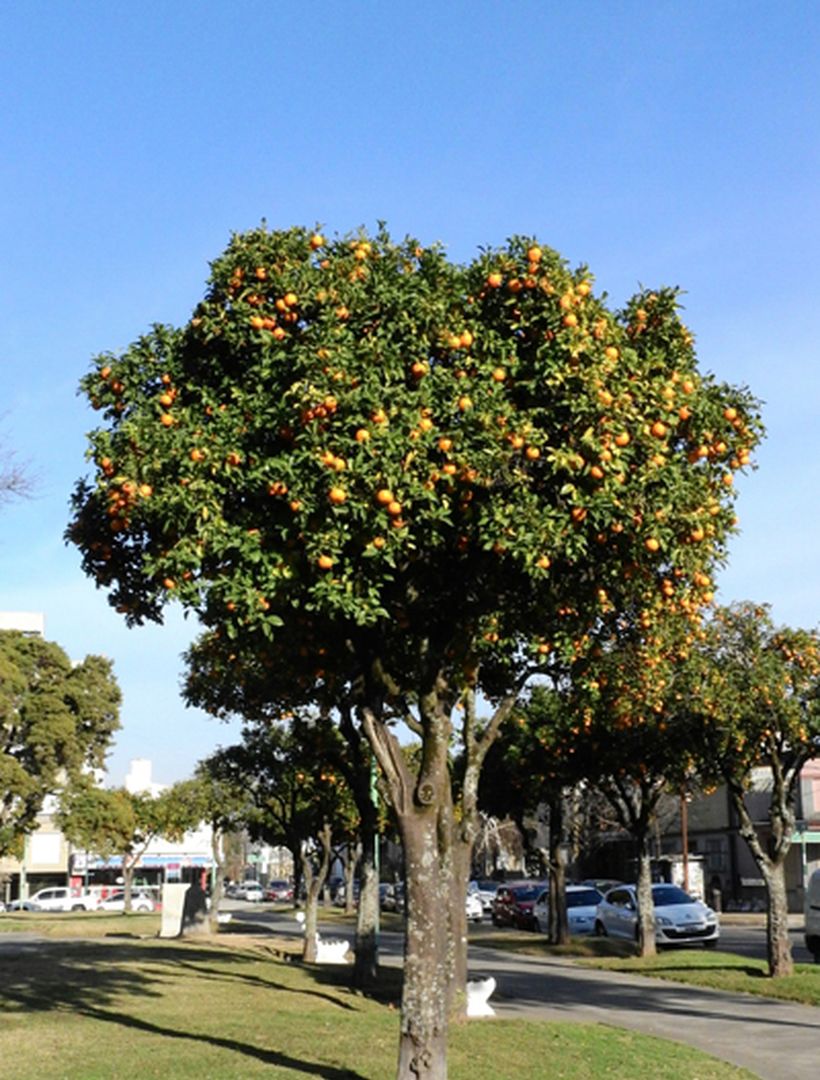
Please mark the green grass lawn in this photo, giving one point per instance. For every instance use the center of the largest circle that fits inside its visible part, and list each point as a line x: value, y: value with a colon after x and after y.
x: 103, y: 997
x: 722, y: 971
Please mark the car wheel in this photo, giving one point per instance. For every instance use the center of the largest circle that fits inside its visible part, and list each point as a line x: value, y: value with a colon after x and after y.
x: 78, y: 907
x: 600, y: 929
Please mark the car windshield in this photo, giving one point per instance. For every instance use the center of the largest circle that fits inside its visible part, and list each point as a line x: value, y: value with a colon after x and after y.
x: 526, y: 892
x: 583, y: 898
x: 663, y: 895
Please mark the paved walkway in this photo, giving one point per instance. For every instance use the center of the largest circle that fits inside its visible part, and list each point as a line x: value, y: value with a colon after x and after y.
x: 772, y: 1039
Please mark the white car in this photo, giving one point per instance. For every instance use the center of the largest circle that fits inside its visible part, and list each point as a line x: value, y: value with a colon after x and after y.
x: 475, y: 909
x: 60, y: 898
x: 679, y: 918
x: 115, y: 901
x: 582, y: 908
x: 486, y: 890
x: 252, y: 891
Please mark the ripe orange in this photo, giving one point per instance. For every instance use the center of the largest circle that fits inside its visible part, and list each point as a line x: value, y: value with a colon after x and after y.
x: 570, y: 320
x: 466, y: 339
x: 394, y: 508
x: 166, y: 419
x: 337, y: 496
x: 362, y: 435
x: 146, y: 491
x: 611, y: 352
x: 544, y: 562
x: 317, y: 241
x: 658, y: 429
x: 494, y: 280
x: 378, y: 541
x: 533, y: 453
x: 445, y: 445
x: 622, y: 438
x: 652, y: 543
x: 105, y: 372
x: 290, y: 299
x: 465, y: 403
x: 534, y: 254
x: 169, y: 583
x: 499, y: 374
x: 324, y: 562
x: 384, y: 496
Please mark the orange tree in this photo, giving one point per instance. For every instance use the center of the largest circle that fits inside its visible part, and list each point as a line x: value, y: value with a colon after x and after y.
x: 754, y: 690
x: 633, y: 738
x: 534, y: 763
x: 409, y: 479
x: 215, y: 683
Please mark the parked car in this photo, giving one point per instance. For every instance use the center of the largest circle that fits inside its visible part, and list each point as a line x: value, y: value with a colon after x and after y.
x: 391, y: 896
x: 679, y: 918
x: 251, y: 891
x: 279, y: 890
x: 56, y: 898
x: 603, y: 885
x: 115, y: 901
x: 475, y: 909
x: 513, y: 903
x: 582, y: 907
x: 813, y: 915
x: 486, y: 890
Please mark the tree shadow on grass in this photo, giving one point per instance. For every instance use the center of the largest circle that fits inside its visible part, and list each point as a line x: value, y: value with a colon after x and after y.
x: 91, y: 979
x: 269, y: 1057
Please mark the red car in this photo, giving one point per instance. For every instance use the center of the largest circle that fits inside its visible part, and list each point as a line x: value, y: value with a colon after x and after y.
x: 279, y: 890
x: 514, y: 902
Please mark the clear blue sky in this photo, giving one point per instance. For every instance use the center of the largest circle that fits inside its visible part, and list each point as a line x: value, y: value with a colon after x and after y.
x: 665, y: 143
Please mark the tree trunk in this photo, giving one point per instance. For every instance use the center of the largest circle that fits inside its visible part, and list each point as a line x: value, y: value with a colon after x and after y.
x: 427, y: 954
x: 354, y: 854
x: 646, y: 907
x: 128, y: 864
x: 461, y: 859
x: 778, y: 945
x: 217, y: 890
x: 366, y: 963
x: 559, y: 922
x: 314, y: 881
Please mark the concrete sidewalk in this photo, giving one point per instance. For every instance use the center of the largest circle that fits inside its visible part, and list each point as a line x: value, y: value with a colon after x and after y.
x: 774, y: 1040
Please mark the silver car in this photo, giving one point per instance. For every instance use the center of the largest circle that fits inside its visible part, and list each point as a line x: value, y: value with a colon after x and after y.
x: 582, y: 909
x: 679, y: 918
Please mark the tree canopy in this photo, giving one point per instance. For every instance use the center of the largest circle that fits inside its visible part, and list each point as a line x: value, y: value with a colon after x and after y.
x: 405, y: 481
x: 56, y: 722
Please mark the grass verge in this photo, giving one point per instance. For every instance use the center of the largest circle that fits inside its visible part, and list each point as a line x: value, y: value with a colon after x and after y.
x: 127, y: 1008
x: 721, y: 971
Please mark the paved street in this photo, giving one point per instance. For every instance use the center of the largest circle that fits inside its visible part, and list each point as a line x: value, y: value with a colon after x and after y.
x: 772, y: 1039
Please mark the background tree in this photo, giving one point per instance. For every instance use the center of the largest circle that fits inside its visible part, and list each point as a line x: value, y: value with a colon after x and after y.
x: 223, y: 805
x: 295, y: 798
x: 754, y: 690
x: 225, y: 685
x: 56, y: 722
x: 405, y: 476
x: 636, y: 740
x: 115, y: 821
x: 534, y: 765
x: 15, y: 478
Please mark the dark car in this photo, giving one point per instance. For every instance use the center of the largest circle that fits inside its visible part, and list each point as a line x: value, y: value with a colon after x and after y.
x: 514, y: 902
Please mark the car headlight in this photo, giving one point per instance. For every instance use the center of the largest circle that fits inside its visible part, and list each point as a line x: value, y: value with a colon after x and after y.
x: 664, y: 920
